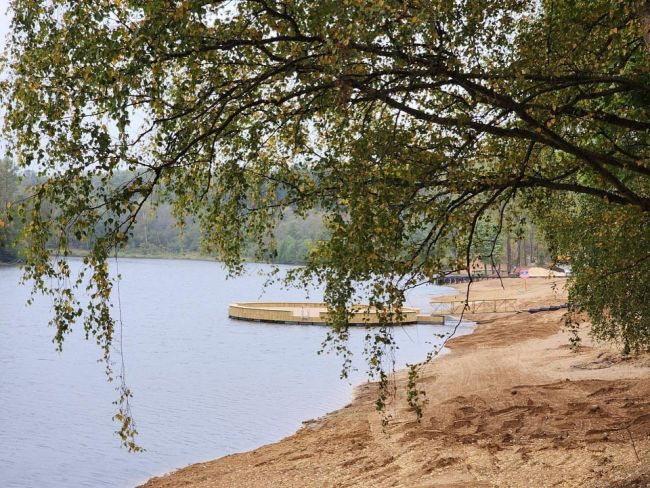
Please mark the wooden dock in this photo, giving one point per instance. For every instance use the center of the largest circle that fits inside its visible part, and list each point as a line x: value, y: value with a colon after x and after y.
x: 314, y: 313
x: 431, y: 319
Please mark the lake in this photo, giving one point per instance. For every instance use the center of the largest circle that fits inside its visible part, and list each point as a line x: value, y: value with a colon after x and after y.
x: 204, y: 385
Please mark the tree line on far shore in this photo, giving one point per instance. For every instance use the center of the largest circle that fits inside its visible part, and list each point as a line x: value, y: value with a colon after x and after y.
x: 158, y: 233
x: 11, y: 189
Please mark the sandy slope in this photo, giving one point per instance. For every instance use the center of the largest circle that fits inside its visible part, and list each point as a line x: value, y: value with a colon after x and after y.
x: 511, y: 406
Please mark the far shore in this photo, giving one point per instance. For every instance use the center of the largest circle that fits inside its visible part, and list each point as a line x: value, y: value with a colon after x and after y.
x: 511, y: 404
x: 176, y: 257
x: 81, y: 253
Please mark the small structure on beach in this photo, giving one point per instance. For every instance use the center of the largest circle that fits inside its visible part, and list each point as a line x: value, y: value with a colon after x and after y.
x: 315, y: 313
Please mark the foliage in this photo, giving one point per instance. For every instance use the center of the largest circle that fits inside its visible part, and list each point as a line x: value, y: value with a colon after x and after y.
x: 158, y: 233
x: 609, y: 249
x: 9, y: 228
x: 405, y: 123
x: 295, y: 236
x: 487, y: 244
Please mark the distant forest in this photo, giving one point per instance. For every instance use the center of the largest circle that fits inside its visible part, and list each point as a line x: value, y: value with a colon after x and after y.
x: 158, y: 234
x: 10, y: 190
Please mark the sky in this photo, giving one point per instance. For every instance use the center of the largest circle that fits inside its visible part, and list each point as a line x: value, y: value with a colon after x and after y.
x: 4, y: 29
x: 4, y: 20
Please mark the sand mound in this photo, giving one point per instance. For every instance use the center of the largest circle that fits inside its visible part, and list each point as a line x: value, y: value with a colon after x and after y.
x: 536, y: 272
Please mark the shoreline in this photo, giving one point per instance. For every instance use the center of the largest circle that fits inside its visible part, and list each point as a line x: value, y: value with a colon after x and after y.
x: 511, y: 404
x: 80, y: 253
x: 466, y: 327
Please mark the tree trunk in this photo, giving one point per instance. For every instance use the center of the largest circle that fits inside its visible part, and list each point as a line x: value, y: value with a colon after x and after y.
x: 532, y: 239
x: 508, y: 254
x: 525, y: 253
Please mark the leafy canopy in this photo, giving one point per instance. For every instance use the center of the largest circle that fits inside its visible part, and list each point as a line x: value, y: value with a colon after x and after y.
x: 406, y: 122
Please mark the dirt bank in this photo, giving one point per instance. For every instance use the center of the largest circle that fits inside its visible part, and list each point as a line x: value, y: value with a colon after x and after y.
x: 511, y: 406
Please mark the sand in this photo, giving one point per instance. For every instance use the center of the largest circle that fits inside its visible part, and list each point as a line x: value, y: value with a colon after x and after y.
x: 511, y: 406
x: 537, y: 272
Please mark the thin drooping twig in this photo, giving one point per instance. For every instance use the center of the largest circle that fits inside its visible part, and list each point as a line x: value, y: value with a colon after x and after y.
x: 633, y: 445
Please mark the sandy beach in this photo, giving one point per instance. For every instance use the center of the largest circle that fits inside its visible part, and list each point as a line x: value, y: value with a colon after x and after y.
x: 511, y: 406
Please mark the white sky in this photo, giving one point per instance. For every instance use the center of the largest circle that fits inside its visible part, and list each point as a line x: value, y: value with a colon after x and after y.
x: 4, y: 29
x: 4, y: 20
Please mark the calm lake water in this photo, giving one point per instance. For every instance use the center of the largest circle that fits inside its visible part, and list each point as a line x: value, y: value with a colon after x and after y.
x: 205, y: 385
